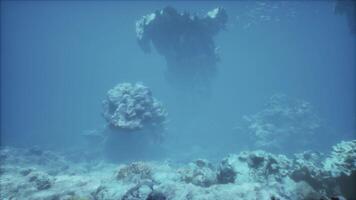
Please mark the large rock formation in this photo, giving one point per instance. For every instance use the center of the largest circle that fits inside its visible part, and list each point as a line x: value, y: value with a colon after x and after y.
x: 186, y: 42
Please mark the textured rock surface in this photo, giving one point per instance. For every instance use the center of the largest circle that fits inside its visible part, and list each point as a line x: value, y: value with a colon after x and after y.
x: 248, y: 175
x: 130, y: 107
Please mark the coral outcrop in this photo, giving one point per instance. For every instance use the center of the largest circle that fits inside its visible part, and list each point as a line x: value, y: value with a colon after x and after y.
x: 130, y: 107
x: 186, y: 42
x: 136, y: 123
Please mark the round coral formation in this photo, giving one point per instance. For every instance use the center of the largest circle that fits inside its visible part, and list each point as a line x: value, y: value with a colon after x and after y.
x: 131, y: 107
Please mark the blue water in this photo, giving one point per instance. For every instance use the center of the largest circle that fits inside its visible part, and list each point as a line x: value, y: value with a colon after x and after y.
x: 58, y: 59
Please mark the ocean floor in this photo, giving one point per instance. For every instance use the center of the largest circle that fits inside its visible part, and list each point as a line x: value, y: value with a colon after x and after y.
x: 36, y: 174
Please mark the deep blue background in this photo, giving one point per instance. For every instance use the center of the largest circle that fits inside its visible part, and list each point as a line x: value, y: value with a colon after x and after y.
x: 58, y: 59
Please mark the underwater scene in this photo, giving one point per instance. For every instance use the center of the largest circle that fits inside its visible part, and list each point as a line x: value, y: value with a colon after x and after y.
x: 178, y: 100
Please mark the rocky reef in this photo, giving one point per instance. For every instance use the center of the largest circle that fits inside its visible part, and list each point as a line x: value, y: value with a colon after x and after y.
x: 283, y: 119
x: 186, y: 42
x: 45, y: 175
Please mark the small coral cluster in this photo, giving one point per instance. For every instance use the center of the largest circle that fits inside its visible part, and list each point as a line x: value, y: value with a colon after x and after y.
x: 131, y: 107
x: 134, y: 172
x: 283, y: 119
x: 200, y: 173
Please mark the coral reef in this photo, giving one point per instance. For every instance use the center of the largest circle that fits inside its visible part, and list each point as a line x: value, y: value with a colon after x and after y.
x: 186, y: 42
x: 247, y: 175
x: 282, y: 120
x: 130, y: 107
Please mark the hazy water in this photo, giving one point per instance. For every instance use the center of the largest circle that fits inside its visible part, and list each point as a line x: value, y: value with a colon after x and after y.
x: 58, y: 59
